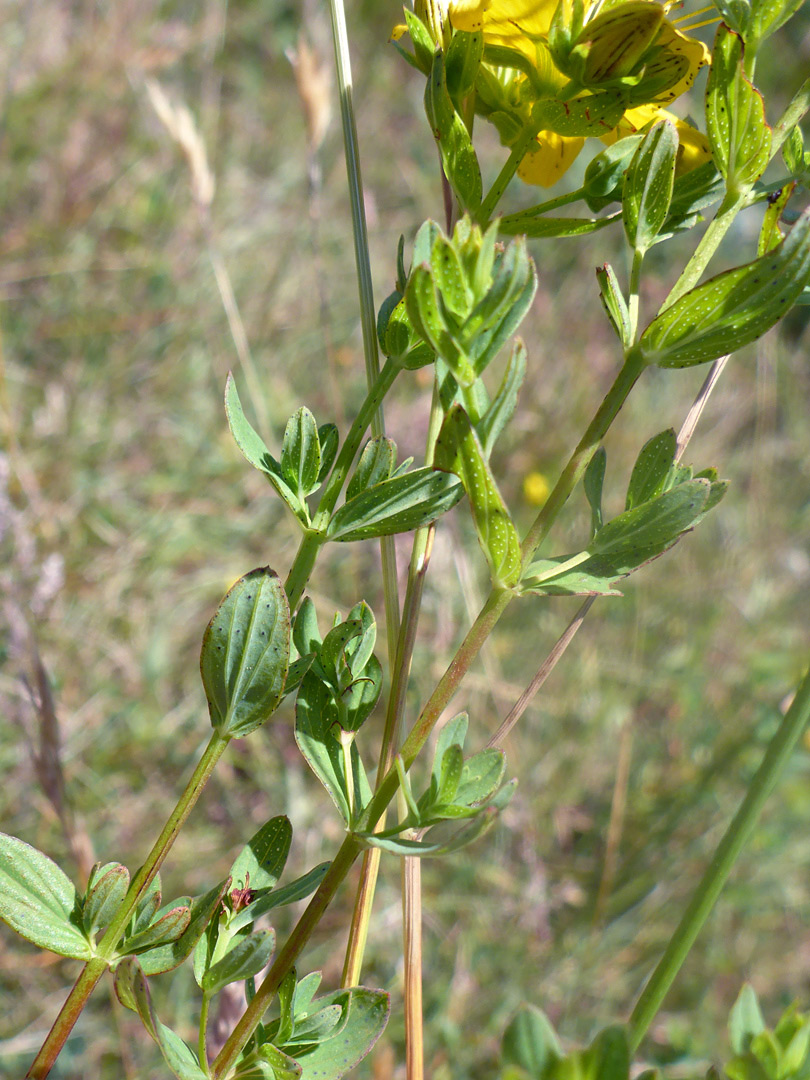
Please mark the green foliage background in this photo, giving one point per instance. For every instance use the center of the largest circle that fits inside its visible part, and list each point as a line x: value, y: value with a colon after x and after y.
x: 126, y: 511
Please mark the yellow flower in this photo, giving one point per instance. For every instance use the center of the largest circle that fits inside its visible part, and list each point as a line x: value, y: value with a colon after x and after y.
x: 536, y: 488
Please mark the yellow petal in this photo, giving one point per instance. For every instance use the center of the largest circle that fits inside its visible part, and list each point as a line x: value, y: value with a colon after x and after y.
x: 468, y: 14
x: 681, y: 54
x: 554, y: 156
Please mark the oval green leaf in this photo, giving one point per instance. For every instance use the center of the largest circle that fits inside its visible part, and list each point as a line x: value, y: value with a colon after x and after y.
x: 39, y: 901
x: 246, y: 653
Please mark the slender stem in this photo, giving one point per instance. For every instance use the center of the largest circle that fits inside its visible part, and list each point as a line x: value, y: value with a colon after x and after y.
x: 286, y: 958
x: 95, y: 968
x: 400, y: 669
x: 792, y: 115
x: 738, y: 833
x: 412, y: 959
x: 546, y: 207
x: 374, y: 398
x: 633, y: 292
x: 314, y: 538
x: 368, y: 319
x: 543, y: 672
x: 587, y: 447
x: 496, y: 192
x: 202, y: 1039
x: 709, y: 243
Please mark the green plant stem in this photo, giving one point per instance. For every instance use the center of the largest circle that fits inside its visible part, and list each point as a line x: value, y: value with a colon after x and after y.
x: 546, y: 207
x: 95, y: 968
x: 792, y: 115
x: 400, y: 670
x: 490, y: 613
x: 496, y: 192
x: 286, y: 958
x: 710, y: 241
x: 633, y: 292
x: 314, y: 538
x: 202, y: 1041
x: 738, y: 833
x: 579, y: 460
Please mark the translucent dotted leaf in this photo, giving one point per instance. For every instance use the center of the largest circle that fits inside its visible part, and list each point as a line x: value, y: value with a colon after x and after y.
x: 246, y: 653
x: 735, y: 115
x: 732, y: 309
x: 458, y: 451
x: 39, y: 901
x: 648, y: 186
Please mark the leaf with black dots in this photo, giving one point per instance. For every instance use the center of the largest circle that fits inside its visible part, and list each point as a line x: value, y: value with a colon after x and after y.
x: 732, y: 309
x: 246, y: 653
x: 739, y: 135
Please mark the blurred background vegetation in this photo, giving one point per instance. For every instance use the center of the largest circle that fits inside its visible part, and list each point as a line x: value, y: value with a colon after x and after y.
x: 126, y: 511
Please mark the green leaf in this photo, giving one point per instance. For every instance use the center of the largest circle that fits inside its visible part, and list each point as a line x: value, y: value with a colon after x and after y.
x: 693, y: 192
x: 766, y: 18
x: 793, y: 150
x: 366, y: 1014
x: 735, y: 13
x: 455, y: 146
x: 132, y: 991
x: 147, y: 907
x: 264, y: 856
x: 732, y: 309
x: 462, y: 62
x: 39, y: 901
x: 245, y: 958
x: 593, y: 578
x: 653, y: 524
x: 480, y: 777
x: 169, y: 955
x: 614, y: 303
x: 604, y: 175
x: 592, y: 482
x: 498, y: 414
x: 450, y: 770
x: 329, y: 440
x: 745, y: 1021
x: 287, y: 894
x: 305, y: 633
x: 770, y: 235
x: 359, y: 649
x: 252, y: 446
x: 735, y: 116
x: 524, y: 223
x: 267, y: 1063
x: 376, y: 464
x: 301, y: 454
x: 651, y: 468
x: 458, y: 451
x: 648, y: 186
x: 246, y: 653
x: 422, y: 41
x: 530, y: 1042
x: 398, y: 505
x: 430, y: 321
x: 453, y: 733
x: 591, y: 114
x: 169, y: 924
x: 105, y: 892
x: 315, y: 717
x: 441, y: 840
x: 608, y: 1056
